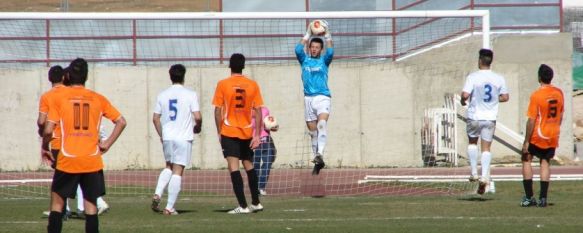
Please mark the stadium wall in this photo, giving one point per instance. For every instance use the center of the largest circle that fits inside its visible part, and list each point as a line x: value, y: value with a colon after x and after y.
x: 376, y: 110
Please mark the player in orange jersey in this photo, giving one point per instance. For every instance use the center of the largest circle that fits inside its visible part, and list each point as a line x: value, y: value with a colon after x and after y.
x: 545, y: 114
x: 78, y: 112
x: 236, y: 99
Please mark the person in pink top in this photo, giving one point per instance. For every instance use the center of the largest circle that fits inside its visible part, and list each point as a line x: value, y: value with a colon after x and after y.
x: 264, y: 154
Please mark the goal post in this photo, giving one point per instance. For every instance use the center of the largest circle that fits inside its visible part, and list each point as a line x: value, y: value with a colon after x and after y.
x: 378, y: 102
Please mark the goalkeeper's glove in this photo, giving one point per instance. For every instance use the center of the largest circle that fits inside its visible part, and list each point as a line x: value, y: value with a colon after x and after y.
x: 327, y: 33
x: 308, y: 32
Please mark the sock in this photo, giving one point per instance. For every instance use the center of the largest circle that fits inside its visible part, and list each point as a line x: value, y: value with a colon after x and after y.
x: 473, y: 156
x: 544, y: 187
x: 322, y: 135
x: 527, y: 184
x: 253, y: 186
x: 173, y: 190
x: 79, y: 198
x: 91, y: 223
x: 237, y: 181
x: 163, y: 180
x: 100, y: 202
x: 486, y: 158
x: 55, y: 222
x: 314, y: 138
x: 66, y: 207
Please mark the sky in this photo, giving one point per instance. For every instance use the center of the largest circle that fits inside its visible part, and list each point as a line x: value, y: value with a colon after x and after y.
x: 571, y: 3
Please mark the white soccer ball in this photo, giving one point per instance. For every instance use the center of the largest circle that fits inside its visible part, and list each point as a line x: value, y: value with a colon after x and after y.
x: 270, y: 122
x: 318, y: 27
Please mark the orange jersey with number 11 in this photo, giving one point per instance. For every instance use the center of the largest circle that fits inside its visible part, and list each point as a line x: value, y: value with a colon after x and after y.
x: 78, y: 111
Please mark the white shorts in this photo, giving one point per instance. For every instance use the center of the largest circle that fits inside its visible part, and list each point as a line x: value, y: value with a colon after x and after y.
x: 316, y: 105
x: 177, y: 152
x: 482, y: 129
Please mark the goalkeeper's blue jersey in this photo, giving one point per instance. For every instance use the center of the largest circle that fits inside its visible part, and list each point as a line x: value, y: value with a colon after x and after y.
x: 315, y: 71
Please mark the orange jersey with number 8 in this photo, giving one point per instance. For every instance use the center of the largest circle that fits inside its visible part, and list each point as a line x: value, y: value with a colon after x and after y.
x: 78, y: 111
x: 546, y: 109
x: 237, y: 96
x: 46, y: 101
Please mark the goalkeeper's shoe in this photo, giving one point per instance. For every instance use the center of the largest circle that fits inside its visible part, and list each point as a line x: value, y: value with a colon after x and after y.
x: 528, y: 202
x: 156, y: 204
x: 103, y: 208
x: 542, y: 202
x: 482, y: 187
x: 318, y: 164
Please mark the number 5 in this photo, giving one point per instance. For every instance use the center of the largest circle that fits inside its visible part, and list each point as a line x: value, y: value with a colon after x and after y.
x: 172, y: 108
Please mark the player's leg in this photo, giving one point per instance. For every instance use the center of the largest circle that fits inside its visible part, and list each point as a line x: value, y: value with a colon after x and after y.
x: 93, y: 186
x: 252, y: 182
x: 63, y: 186
x: 545, y: 155
x: 257, y: 165
x: 487, y: 129
x: 269, y: 159
x: 181, y: 156
x: 473, y: 136
x: 79, y: 199
x: 528, y: 199
x: 232, y: 153
x: 311, y: 118
x: 164, y: 177
x: 323, y: 107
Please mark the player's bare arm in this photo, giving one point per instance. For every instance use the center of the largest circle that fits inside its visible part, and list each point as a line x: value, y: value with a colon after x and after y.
x: 218, y: 121
x: 47, y: 136
x: 503, y: 98
x: 256, y: 140
x: 529, y: 130
x: 119, y: 126
x: 157, y: 124
x: 464, y: 97
x: 198, y: 122
x: 40, y: 122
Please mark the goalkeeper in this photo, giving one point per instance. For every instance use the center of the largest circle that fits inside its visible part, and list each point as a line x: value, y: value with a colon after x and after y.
x: 314, y: 62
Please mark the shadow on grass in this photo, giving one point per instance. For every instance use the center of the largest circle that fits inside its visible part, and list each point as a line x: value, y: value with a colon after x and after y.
x: 475, y: 198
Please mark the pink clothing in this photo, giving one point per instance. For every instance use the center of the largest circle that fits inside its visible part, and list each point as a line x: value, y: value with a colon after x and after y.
x: 264, y: 113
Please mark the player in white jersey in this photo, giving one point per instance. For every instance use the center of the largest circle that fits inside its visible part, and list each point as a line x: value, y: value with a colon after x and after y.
x: 484, y: 89
x: 176, y: 119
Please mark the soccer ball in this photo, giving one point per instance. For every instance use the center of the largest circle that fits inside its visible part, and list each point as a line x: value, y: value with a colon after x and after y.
x: 270, y: 122
x: 318, y: 27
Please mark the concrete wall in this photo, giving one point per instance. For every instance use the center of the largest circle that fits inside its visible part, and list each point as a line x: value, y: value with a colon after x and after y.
x: 376, y: 107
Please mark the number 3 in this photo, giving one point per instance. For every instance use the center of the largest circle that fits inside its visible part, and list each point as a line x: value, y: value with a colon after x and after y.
x: 487, y: 93
x: 172, y: 108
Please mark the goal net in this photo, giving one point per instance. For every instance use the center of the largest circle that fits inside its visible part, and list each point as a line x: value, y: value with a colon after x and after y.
x: 392, y: 129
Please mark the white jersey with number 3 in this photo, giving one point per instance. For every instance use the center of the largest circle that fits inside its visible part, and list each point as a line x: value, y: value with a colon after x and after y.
x: 176, y: 105
x: 484, y: 87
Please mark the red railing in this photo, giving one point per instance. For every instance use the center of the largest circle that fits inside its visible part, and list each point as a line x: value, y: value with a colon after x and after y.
x: 394, y: 54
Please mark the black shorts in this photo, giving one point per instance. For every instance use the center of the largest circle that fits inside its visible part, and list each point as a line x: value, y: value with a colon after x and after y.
x: 237, y: 147
x: 92, y: 184
x: 541, y: 153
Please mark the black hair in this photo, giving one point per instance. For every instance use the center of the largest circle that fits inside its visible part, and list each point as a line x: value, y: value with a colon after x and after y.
x: 545, y: 73
x: 486, y: 56
x: 317, y: 40
x: 56, y: 74
x: 237, y: 63
x: 77, y: 72
x: 177, y: 73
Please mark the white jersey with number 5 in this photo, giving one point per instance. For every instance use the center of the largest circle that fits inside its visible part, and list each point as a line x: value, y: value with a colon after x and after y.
x: 484, y: 87
x: 176, y: 105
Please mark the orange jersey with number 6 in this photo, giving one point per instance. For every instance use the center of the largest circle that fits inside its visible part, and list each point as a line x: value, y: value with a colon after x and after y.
x: 546, y: 109
x: 237, y: 96
x: 78, y: 111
